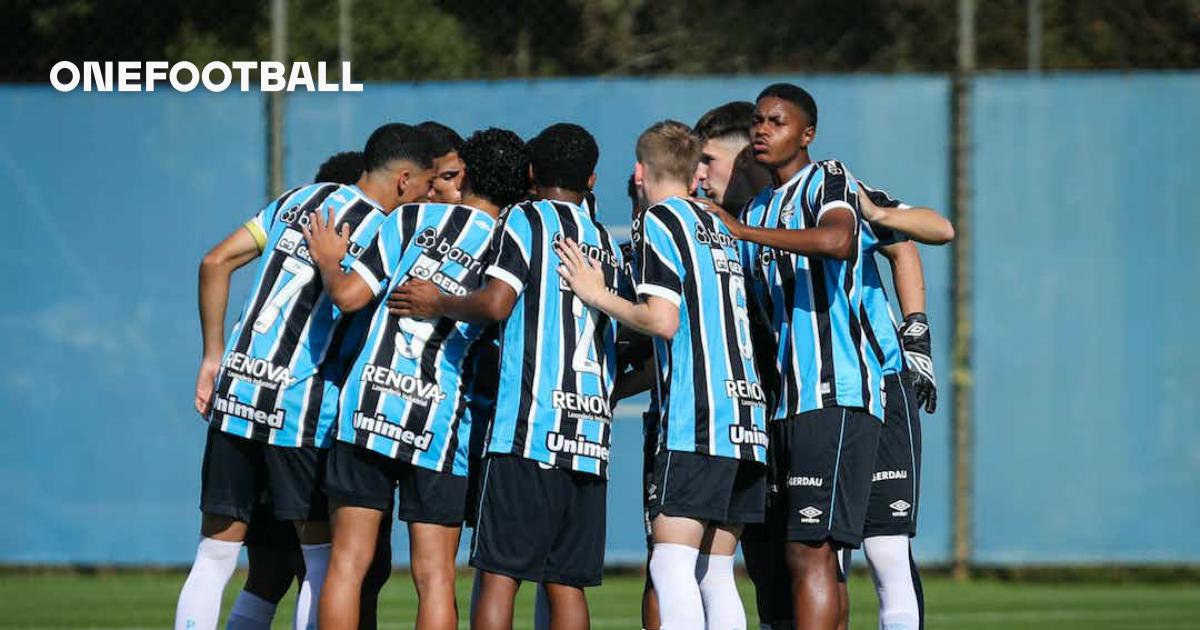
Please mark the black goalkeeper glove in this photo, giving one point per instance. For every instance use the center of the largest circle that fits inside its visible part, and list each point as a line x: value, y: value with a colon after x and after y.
x: 918, y: 358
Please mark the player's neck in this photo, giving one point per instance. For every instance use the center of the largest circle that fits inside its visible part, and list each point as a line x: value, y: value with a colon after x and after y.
x: 555, y: 193
x: 475, y: 201
x: 658, y: 192
x: 379, y: 192
x: 784, y: 172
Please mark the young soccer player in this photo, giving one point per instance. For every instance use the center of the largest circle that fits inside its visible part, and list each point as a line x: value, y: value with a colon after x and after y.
x: 542, y: 503
x: 805, y: 253
x: 448, y: 164
x: 267, y: 394
x: 710, y: 474
x: 272, y: 549
x: 402, y: 410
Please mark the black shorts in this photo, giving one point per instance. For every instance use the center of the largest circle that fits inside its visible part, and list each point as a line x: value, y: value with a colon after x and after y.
x: 649, y: 448
x: 540, y: 524
x: 359, y: 477
x: 896, y: 483
x: 707, y: 488
x: 824, y: 463
x: 236, y: 472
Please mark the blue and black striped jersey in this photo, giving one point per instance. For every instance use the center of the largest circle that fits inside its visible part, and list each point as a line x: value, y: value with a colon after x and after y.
x: 286, y: 356
x: 880, y: 322
x: 405, y: 394
x: 710, y: 400
x: 558, y: 356
x: 823, y: 355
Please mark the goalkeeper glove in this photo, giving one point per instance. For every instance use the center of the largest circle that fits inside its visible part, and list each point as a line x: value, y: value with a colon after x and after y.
x: 918, y: 358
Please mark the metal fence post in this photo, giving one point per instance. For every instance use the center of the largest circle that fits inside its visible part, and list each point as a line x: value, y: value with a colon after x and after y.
x: 961, y: 257
x: 279, y: 30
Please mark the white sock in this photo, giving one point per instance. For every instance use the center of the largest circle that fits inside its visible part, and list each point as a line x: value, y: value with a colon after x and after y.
x: 316, y: 563
x: 541, y: 609
x: 199, y: 604
x: 251, y: 612
x: 722, y: 605
x: 673, y: 570
x: 896, y: 582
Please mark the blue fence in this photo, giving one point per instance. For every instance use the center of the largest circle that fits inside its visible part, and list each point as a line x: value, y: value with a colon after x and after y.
x: 1086, y: 426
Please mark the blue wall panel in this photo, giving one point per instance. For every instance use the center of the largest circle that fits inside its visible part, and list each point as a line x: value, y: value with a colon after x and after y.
x: 110, y: 201
x: 1087, y: 406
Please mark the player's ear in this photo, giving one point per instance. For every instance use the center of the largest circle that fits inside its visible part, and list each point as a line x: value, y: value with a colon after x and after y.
x: 807, y: 136
x: 639, y: 174
x: 591, y: 181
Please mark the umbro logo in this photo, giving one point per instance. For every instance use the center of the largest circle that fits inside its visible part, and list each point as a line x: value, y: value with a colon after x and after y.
x: 916, y: 329
x: 810, y: 514
x: 900, y: 508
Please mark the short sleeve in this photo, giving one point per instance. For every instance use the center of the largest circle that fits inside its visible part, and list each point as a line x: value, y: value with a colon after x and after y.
x: 661, y: 274
x: 512, y: 242
x: 625, y: 276
x: 838, y: 190
x: 261, y: 223
x: 379, y: 260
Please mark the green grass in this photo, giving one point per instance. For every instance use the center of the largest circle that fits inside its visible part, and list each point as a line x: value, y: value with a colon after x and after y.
x: 147, y: 600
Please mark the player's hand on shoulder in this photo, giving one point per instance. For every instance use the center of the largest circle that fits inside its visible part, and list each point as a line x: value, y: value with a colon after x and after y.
x: 918, y: 358
x: 731, y: 222
x: 870, y: 212
x: 584, y: 275
x: 326, y: 244
x: 420, y: 299
x: 205, y: 382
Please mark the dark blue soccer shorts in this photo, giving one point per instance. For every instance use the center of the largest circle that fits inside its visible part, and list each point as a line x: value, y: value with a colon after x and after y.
x: 538, y: 523
x: 896, y: 482
x: 707, y: 488
x: 359, y: 477
x: 236, y: 471
x: 824, y: 462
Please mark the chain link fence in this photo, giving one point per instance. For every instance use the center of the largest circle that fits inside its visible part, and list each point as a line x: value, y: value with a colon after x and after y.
x: 405, y: 40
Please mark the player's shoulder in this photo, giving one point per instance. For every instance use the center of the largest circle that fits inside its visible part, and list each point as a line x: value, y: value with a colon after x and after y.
x: 834, y: 167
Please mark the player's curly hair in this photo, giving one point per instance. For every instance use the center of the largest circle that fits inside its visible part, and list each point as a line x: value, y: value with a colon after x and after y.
x: 563, y: 155
x: 497, y: 163
x: 341, y: 168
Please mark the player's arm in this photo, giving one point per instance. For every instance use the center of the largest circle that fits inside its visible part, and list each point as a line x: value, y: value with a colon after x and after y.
x: 217, y: 266
x: 656, y: 316
x: 423, y: 300
x: 921, y: 224
x: 908, y: 276
x: 833, y: 237
x: 328, y: 246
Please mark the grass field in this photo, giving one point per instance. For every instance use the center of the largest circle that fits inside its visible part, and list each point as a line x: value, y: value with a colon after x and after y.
x: 147, y: 600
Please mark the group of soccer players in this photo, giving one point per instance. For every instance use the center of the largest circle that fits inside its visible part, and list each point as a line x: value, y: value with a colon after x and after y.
x: 441, y: 327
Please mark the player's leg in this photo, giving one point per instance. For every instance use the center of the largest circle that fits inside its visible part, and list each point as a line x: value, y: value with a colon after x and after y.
x: 689, y: 491
x: 714, y: 572
x: 578, y: 504
x: 361, y: 491
x: 764, y: 547
x: 650, y: 618
x: 844, y: 588
x: 433, y: 547
x: 829, y: 456
x: 230, y: 482
x: 891, y: 518
x: 294, y: 484
x: 274, y: 560
x: 512, y: 536
x: 377, y: 576
x: 433, y: 505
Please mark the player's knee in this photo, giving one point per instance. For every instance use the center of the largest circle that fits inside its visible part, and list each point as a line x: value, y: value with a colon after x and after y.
x: 433, y: 578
